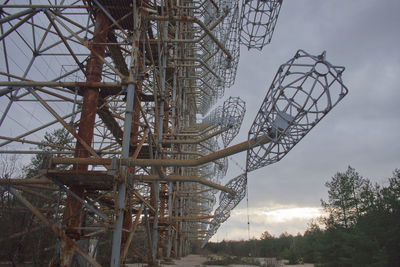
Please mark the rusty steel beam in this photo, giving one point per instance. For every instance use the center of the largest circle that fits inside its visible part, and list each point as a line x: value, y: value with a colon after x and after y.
x: 87, y: 84
x: 25, y: 181
x: 229, y: 151
x: 182, y: 152
x: 34, y: 193
x: 195, y: 231
x: 192, y: 218
x: 200, y: 128
x: 43, y: 6
x: 195, y: 141
x: 23, y: 209
x: 180, y: 178
x: 37, y: 151
x: 109, y: 121
x: 196, y: 133
x: 32, y: 142
x: 72, y: 213
x: 132, y: 230
x: 58, y: 95
x: 116, y: 54
x: 139, y: 146
x: 141, y: 198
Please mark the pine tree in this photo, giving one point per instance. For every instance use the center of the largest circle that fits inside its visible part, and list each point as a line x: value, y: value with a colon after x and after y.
x: 57, y: 140
x: 31, y: 246
x: 344, y: 204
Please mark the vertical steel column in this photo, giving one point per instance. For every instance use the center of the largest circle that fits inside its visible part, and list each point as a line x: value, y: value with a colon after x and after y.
x: 156, y: 199
x: 116, y: 242
x: 72, y: 215
x: 134, y: 138
x: 174, y: 124
x: 170, y: 206
x: 181, y: 223
x: 162, y: 63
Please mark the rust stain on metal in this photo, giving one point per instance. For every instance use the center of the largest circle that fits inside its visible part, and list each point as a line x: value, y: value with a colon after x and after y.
x: 73, y: 214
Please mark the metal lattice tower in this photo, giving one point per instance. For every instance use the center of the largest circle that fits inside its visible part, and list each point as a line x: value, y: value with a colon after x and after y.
x: 127, y: 81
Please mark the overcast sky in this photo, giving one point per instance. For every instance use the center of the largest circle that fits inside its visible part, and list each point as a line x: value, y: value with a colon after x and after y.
x: 361, y: 131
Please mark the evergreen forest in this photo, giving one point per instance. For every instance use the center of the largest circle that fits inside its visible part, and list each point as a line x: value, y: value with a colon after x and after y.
x: 362, y: 228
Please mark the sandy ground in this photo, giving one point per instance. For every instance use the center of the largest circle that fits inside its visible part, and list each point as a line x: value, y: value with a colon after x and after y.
x: 189, y: 261
x: 197, y: 261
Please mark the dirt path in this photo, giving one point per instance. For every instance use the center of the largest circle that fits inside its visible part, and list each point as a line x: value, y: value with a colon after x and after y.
x: 197, y: 261
x: 189, y: 261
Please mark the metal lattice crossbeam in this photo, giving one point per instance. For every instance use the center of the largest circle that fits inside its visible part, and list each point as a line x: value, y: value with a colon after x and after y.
x: 303, y: 91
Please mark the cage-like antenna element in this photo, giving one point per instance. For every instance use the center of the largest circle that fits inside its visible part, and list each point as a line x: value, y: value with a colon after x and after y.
x: 229, y: 115
x: 258, y: 20
x: 233, y: 45
x: 214, y: 117
x: 303, y: 91
x: 233, y: 112
x: 227, y: 202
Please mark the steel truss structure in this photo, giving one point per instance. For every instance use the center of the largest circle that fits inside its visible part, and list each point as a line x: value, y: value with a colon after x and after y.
x: 127, y: 81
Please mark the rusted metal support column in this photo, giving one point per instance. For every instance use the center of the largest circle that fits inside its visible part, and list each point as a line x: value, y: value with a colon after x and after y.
x: 72, y: 214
